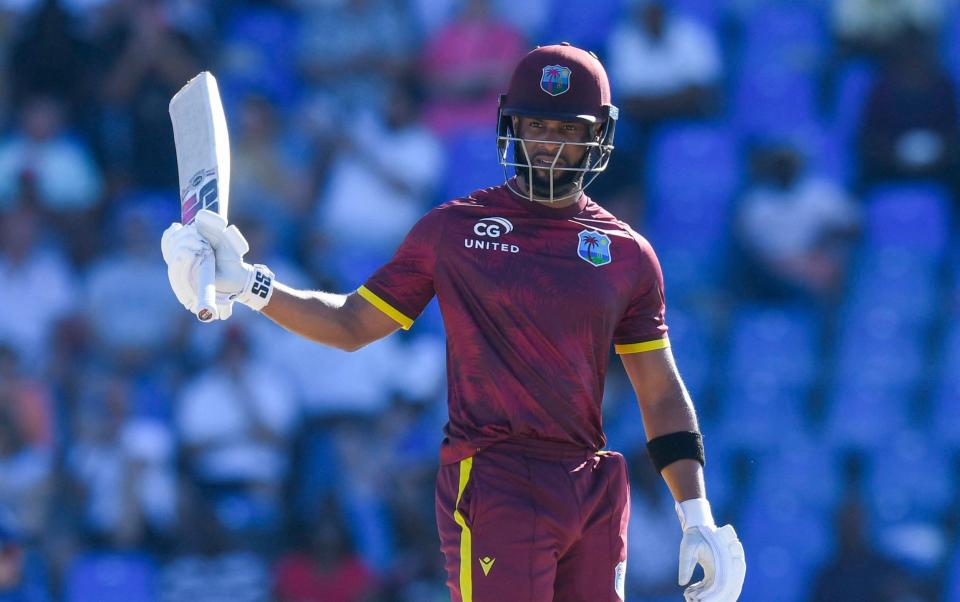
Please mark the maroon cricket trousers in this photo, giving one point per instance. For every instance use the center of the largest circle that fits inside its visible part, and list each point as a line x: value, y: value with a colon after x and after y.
x: 534, y: 521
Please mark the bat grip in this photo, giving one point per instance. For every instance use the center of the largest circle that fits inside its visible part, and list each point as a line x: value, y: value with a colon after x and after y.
x: 206, y: 288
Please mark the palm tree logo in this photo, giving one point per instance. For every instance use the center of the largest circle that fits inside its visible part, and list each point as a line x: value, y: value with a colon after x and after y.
x: 555, y: 79
x: 594, y: 248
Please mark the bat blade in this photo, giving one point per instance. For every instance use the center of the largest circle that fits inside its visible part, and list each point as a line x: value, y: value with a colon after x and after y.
x: 203, y: 165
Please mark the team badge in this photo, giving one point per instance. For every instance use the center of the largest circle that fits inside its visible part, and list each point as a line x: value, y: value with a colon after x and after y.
x: 555, y: 80
x: 594, y: 247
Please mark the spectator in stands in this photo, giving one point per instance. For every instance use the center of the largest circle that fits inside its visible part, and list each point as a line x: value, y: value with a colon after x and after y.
x: 872, y: 27
x: 46, y: 290
x: 211, y: 564
x: 911, y: 127
x: 27, y: 400
x: 467, y: 64
x: 43, y: 153
x: 47, y: 59
x: 235, y: 421
x: 131, y: 318
x: 146, y: 59
x: 25, y: 478
x: 325, y: 568
x: 122, y: 467
x: 793, y: 229
x: 859, y: 572
x: 269, y: 168
x: 23, y: 575
x: 665, y: 65
x: 392, y: 163
x: 350, y: 50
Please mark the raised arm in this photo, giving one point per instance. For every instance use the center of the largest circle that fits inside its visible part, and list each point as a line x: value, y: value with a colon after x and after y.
x: 346, y: 322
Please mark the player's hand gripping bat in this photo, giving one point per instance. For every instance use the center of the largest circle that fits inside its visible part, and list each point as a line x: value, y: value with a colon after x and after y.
x: 203, y: 164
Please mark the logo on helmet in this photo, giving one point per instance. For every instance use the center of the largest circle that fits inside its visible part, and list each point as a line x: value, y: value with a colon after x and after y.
x: 555, y: 80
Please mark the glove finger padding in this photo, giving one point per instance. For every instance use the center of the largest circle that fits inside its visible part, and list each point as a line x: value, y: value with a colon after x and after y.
x: 722, y: 557
x: 182, y: 250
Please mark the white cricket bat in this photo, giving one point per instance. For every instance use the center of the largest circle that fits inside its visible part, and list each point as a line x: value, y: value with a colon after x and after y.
x: 203, y: 163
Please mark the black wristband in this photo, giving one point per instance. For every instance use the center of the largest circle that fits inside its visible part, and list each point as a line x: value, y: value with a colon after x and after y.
x: 667, y: 449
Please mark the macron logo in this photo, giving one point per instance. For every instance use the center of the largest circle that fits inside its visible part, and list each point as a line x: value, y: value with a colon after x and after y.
x: 493, y: 227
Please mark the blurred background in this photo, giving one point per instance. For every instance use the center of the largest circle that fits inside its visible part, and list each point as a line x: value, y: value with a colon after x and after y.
x: 795, y: 165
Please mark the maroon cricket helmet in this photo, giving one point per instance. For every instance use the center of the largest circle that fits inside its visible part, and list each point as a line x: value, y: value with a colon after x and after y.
x: 559, y: 82
x: 564, y: 83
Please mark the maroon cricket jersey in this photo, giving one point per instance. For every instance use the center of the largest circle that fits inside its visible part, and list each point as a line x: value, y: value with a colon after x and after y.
x: 532, y: 298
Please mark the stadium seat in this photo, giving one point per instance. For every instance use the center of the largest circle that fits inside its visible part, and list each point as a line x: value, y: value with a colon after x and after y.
x: 766, y: 102
x: 780, y: 342
x: 897, y: 280
x: 785, y: 541
x: 771, y: 368
x: 880, y: 347
x: 864, y: 414
x: 946, y: 397
x: 784, y: 36
x: 259, y: 56
x: 814, y: 471
x: 909, y: 478
x: 693, y: 172
x: 111, y: 577
x: 912, y: 217
x: 699, y: 162
x: 852, y: 88
x: 706, y: 12
x: 583, y: 23
x: 471, y: 164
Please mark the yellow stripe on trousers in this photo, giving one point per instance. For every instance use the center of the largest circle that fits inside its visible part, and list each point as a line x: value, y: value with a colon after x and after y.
x: 466, y: 545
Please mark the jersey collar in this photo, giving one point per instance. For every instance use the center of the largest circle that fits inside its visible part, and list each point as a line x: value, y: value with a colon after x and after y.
x: 543, y: 209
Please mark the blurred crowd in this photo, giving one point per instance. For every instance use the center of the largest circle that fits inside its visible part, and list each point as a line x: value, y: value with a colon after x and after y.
x: 795, y: 164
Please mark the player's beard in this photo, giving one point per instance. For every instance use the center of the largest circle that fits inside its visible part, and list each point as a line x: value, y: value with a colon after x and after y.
x: 565, y: 183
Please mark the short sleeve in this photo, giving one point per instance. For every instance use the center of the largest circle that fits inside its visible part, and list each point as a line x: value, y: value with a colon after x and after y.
x: 642, y: 326
x: 403, y: 287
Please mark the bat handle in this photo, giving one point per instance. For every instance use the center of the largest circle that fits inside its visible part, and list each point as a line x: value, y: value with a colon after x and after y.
x: 206, y: 288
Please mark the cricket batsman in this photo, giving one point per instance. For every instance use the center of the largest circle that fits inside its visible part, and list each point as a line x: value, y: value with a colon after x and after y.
x: 535, y: 282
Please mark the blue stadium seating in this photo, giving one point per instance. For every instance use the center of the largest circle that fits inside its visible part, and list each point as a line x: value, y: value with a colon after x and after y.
x: 814, y: 471
x: 785, y: 539
x: 880, y: 348
x: 897, y: 280
x: 909, y: 478
x: 946, y: 395
x: 694, y: 171
x: 471, y: 164
x: 786, y: 36
x: 913, y: 217
x: 111, y: 577
x: 864, y: 414
x: 706, y: 12
x: 770, y: 373
x: 259, y: 57
x: 765, y: 102
x: 851, y: 90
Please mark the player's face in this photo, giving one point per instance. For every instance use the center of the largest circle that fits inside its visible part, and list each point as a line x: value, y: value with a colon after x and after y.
x: 547, y: 144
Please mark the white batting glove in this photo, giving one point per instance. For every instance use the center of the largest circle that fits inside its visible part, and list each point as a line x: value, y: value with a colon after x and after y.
x: 251, y: 285
x: 183, y: 250
x: 718, y: 551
